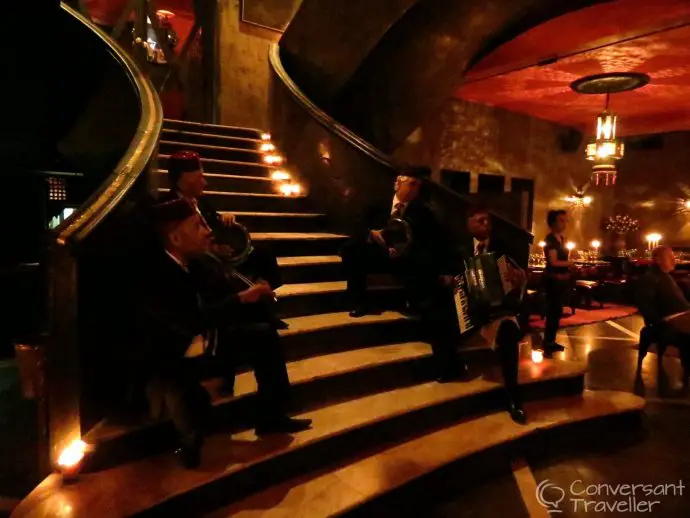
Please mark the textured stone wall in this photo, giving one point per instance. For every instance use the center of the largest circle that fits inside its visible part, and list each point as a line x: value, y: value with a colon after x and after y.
x: 477, y: 138
x: 243, y: 68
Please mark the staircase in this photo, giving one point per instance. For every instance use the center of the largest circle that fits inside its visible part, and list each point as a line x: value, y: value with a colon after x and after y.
x: 366, y: 383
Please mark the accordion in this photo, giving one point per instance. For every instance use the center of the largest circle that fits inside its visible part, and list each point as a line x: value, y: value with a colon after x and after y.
x: 486, y: 290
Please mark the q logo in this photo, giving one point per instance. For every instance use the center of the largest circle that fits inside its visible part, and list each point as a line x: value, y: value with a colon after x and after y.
x: 550, y: 501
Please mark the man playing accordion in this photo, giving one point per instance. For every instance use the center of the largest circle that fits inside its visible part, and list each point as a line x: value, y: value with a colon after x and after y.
x: 500, y: 330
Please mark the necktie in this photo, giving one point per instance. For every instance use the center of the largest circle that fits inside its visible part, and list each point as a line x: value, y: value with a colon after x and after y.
x: 397, y: 212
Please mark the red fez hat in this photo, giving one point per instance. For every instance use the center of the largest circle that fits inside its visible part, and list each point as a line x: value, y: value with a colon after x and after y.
x: 182, y: 162
x: 170, y: 214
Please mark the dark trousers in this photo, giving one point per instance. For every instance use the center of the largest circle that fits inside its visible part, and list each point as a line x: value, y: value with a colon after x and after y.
x: 361, y: 258
x: 262, y: 263
x: 259, y: 347
x: 508, y: 351
x: 556, y: 291
x: 174, y: 390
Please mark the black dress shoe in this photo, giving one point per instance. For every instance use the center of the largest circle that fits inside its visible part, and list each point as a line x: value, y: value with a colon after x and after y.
x: 360, y: 311
x: 283, y: 424
x: 553, y: 347
x: 189, y: 457
x: 516, y: 412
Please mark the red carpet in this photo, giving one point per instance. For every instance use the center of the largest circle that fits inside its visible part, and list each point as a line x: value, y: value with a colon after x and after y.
x: 585, y: 316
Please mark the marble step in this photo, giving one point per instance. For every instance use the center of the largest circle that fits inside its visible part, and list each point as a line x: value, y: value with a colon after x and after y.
x: 215, y: 129
x: 211, y: 139
x: 237, y: 465
x: 313, y: 335
x: 358, y: 483
x: 315, y: 268
x: 297, y: 300
x: 230, y: 182
x: 235, y: 167
x: 283, y: 221
x: 218, y: 152
x: 291, y: 244
x: 253, y: 202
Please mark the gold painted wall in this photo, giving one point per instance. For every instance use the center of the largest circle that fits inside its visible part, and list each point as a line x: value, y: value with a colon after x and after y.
x: 243, y: 76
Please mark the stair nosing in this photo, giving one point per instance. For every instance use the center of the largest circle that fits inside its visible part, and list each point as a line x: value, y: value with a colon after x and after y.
x: 207, y: 146
x: 213, y: 135
x: 194, y: 123
x: 246, y: 194
x: 297, y: 236
x: 229, y: 176
x: 274, y: 214
x: 236, y: 162
x: 343, y: 321
x: 281, y: 292
x: 327, y: 259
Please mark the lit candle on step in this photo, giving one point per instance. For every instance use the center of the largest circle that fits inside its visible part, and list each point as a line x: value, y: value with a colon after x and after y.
x: 537, y: 356
x: 267, y: 147
x: 280, y: 175
x: 273, y: 159
x: 265, y: 136
x: 70, y: 459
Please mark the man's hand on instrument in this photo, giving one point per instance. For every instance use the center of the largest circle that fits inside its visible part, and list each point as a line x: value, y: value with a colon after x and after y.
x: 255, y: 293
x: 228, y: 219
x: 377, y: 237
x: 263, y: 281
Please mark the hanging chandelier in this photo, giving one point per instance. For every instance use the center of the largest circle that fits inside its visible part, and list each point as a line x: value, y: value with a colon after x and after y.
x: 607, y: 149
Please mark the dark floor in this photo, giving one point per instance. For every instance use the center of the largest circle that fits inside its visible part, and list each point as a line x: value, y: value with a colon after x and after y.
x: 661, y: 456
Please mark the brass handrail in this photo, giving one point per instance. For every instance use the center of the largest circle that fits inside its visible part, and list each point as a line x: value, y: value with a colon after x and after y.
x: 346, y: 134
x: 138, y: 154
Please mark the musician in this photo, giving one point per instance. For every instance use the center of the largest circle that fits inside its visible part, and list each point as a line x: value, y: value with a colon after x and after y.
x: 186, y: 179
x: 420, y: 266
x: 503, y: 334
x: 557, y: 276
x: 170, y: 322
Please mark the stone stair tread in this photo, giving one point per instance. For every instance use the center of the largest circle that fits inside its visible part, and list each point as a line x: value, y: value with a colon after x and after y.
x: 131, y: 488
x: 315, y: 288
x: 214, y: 135
x: 351, y: 485
x: 274, y: 214
x: 218, y: 160
x: 324, y: 366
x: 307, y: 236
x: 207, y: 146
x: 227, y: 176
x: 210, y: 125
x: 321, y: 322
x: 243, y: 194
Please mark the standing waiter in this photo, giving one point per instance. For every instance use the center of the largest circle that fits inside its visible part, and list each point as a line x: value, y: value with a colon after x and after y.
x: 557, y: 276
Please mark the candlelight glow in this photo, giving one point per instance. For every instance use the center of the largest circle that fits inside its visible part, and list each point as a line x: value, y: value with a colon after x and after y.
x: 72, y: 455
x: 290, y: 189
x: 570, y: 245
x: 280, y: 175
x: 653, y: 240
x: 267, y: 147
x: 542, y: 244
x: 596, y: 243
x: 537, y: 356
x: 687, y: 204
x: 273, y: 159
x: 265, y: 136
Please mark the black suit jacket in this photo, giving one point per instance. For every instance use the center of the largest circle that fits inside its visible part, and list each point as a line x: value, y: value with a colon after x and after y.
x: 429, y: 240
x: 168, y: 312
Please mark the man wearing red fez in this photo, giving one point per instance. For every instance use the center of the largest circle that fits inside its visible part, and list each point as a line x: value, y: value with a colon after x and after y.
x: 186, y: 179
x: 172, y: 320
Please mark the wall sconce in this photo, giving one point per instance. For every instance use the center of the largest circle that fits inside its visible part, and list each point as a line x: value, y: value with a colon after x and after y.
x: 579, y: 200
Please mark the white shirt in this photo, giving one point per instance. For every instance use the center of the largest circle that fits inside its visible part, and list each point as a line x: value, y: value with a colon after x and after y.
x: 476, y: 243
x: 396, y: 201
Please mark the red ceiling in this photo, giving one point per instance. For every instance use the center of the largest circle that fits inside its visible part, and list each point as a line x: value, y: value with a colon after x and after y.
x: 652, y: 47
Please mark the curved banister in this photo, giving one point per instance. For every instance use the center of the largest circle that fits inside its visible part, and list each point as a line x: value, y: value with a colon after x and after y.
x: 349, y: 136
x: 139, y: 153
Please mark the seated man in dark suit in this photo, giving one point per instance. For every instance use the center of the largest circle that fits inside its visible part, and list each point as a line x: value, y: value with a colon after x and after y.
x: 186, y: 179
x: 503, y: 334
x: 170, y: 321
x: 664, y: 307
x: 420, y: 266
